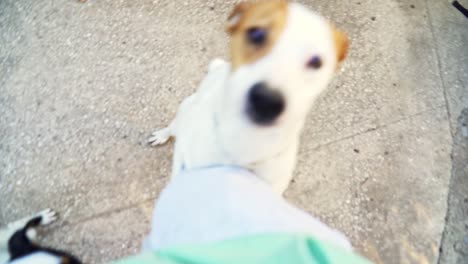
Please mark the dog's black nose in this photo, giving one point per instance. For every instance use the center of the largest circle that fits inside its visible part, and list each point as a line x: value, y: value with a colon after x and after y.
x: 264, y: 104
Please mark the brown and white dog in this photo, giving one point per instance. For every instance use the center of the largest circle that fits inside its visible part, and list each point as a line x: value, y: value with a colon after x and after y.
x: 250, y: 112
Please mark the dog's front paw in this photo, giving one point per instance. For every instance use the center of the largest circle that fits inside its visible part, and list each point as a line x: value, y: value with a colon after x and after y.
x: 47, y: 216
x: 159, y: 137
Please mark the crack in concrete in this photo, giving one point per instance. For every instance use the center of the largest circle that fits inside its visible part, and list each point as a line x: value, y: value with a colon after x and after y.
x: 439, y: 66
x: 454, y: 242
x: 101, y: 214
x: 372, y: 129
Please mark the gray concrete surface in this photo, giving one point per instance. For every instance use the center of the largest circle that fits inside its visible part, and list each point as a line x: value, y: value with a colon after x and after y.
x: 82, y: 85
x: 455, y: 238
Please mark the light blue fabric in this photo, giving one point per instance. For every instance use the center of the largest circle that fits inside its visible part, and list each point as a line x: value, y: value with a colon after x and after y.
x: 219, y: 203
x: 260, y: 249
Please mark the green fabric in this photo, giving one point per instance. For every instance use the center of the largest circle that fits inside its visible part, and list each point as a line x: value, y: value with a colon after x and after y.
x: 268, y: 249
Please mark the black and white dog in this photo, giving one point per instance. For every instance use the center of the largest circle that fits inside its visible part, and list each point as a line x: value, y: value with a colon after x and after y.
x: 18, y: 242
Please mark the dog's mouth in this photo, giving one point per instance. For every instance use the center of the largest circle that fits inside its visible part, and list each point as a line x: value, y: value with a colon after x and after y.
x: 264, y: 104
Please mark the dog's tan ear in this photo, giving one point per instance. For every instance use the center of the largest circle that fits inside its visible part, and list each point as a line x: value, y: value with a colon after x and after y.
x: 341, y: 44
x: 235, y: 17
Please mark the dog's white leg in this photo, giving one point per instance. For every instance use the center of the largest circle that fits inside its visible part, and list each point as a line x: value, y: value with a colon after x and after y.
x: 278, y: 171
x: 177, y: 162
x: 277, y: 178
x: 217, y: 70
x: 47, y: 216
x: 282, y: 184
x: 160, y: 137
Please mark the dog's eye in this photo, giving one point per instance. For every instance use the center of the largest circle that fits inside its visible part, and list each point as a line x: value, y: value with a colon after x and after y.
x: 256, y: 35
x: 314, y: 63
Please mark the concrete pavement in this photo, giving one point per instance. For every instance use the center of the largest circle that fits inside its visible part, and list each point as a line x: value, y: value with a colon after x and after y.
x: 383, y: 154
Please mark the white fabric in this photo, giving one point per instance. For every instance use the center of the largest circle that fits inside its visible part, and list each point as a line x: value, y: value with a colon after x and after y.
x: 220, y: 203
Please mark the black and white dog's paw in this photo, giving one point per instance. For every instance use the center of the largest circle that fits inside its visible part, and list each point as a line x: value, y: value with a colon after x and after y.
x: 47, y: 216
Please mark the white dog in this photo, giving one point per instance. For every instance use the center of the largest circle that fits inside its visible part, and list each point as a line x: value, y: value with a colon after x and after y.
x: 250, y: 112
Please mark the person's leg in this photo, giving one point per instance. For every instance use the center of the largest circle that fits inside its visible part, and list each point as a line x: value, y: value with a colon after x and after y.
x: 216, y: 204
